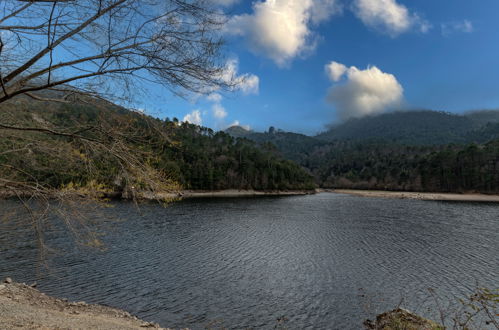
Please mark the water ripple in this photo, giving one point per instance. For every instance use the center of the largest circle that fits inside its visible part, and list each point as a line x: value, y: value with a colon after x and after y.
x: 244, y: 263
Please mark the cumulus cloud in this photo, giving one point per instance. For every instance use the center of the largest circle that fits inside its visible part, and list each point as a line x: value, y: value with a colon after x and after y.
x: 194, y: 117
x: 281, y: 29
x: 335, y: 70
x: 388, y: 16
x: 465, y: 26
x: 364, y: 92
x: 219, y: 111
x: 247, y: 83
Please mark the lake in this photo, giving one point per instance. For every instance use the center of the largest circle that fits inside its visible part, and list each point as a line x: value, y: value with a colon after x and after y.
x: 325, y: 261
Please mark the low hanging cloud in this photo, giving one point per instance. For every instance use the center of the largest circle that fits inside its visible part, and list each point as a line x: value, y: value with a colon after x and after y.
x: 194, y: 118
x: 388, y: 16
x: 358, y: 93
x: 237, y: 123
x: 281, y: 29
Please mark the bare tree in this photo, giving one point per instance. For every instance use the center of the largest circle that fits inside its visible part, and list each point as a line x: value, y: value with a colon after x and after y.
x: 90, y: 51
x: 94, y: 46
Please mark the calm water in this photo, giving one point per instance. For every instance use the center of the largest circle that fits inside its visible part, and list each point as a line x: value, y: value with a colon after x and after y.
x: 325, y: 262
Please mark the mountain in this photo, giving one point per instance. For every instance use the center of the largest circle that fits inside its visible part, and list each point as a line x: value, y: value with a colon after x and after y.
x: 97, y: 145
x: 410, y: 127
x: 481, y: 118
x: 292, y: 146
x: 417, y: 151
x: 417, y: 128
x: 238, y: 131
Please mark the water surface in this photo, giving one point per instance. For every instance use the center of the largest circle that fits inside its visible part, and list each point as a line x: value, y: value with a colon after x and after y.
x: 325, y: 261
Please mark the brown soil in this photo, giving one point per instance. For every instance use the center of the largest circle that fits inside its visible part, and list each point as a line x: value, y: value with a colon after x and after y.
x: 24, y: 307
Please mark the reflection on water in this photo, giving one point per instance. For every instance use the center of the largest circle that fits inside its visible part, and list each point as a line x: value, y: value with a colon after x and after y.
x: 326, y: 261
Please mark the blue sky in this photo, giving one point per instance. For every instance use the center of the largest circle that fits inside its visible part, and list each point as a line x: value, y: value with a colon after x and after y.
x: 389, y: 54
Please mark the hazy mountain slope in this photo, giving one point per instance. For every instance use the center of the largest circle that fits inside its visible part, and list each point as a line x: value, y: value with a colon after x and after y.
x: 411, y: 127
x: 483, y: 117
x: 238, y: 131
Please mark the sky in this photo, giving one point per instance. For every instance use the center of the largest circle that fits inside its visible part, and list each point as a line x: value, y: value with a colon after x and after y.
x: 304, y: 64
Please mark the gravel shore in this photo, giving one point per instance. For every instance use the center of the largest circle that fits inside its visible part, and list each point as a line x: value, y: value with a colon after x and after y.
x: 24, y: 307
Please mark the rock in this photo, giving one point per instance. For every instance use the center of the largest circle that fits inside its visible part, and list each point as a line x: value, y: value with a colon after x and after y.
x: 8, y: 280
x: 149, y: 325
x: 401, y: 319
x: 2, y: 286
x: 34, y: 285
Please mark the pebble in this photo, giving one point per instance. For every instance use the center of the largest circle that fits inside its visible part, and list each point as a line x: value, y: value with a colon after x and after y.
x: 148, y: 325
x: 8, y: 280
x: 2, y: 286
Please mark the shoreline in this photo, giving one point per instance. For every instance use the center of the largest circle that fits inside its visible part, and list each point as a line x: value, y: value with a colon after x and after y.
x: 236, y: 193
x: 229, y: 193
x: 425, y: 196
x: 23, y: 306
x: 170, y: 195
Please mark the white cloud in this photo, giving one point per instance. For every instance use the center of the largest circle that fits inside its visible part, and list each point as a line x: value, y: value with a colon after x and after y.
x: 388, y: 16
x: 465, y: 26
x: 280, y: 29
x: 365, y: 92
x: 247, y: 83
x: 322, y: 10
x: 335, y: 70
x: 219, y: 111
x: 237, y: 123
x: 194, y: 117
x: 214, y: 97
x: 224, y: 3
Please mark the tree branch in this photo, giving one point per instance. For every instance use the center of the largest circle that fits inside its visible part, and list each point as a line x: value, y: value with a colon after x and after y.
x: 68, y: 35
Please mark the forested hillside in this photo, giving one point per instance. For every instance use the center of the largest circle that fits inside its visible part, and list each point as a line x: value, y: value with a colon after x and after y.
x: 415, y: 128
x: 99, y: 145
x: 416, y: 151
x: 390, y: 166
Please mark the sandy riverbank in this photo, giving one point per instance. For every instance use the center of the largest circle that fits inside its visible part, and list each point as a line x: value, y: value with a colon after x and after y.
x: 23, y: 307
x: 421, y: 195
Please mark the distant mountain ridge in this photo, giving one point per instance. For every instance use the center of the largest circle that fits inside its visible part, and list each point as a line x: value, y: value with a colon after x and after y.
x: 423, y: 127
x: 413, y: 150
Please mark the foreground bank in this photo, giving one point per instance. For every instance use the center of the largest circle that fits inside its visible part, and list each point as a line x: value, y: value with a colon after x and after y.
x: 22, y: 306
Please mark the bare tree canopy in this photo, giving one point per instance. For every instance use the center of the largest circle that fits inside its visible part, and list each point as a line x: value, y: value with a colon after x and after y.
x: 97, y: 46
x: 97, y: 49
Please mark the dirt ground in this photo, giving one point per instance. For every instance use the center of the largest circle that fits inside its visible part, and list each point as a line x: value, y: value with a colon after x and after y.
x: 24, y: 307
